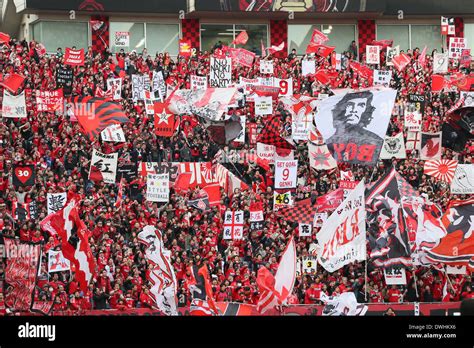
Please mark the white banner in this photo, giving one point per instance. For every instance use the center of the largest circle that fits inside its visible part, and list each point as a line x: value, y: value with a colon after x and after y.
x: 468, y: 99
x: 122, y: 39
x: 220, y: 74
x: 395, y: 276
x: 140, y: 84
x: 159, y: 86
x: 286, y: 86
x: 463, y: 182
x: 266, y: 66
x: 104, y: 165
x: 372, y: 54
x: 263, y: 106
x: 265, y: 81
x: 342, y: 237
x: 157, y: 187
x: 116, y: 86
x: 392, y: 52
x: 382, y: 77
x: 413, y: 118
x: 113, y: 133
x: 301, y: 124
x: 266, y: 152
x: 149, y: 105
x: 198, y: 82
x: 308, y: 67
x: 57, y: 262
x: 310, y: 265
x: 456, y: 46
x: 13, y: 106
x: 56, y: 202
x: 286, y: 174
x: 319, y: 219
x: 440, y: 63
x: 305, y: 230
x: 393, y: 147
x: 234, y: 225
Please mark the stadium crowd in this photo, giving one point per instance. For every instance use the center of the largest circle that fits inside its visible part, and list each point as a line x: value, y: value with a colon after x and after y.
x: 62, y: 154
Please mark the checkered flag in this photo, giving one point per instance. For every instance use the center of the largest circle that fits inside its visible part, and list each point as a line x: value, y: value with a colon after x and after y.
x: 303, y: 214
x: 271, y: 135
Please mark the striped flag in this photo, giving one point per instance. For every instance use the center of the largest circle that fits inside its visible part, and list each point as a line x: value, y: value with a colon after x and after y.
x: 441, y: 169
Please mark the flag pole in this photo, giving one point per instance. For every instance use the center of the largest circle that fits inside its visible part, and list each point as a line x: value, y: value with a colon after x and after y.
x: 366, y: 277
x: 416, y: 281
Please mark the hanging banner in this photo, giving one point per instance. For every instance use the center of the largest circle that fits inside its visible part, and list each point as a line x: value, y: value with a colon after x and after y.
x: 122, y: 39
x: 198, y: 82
x: 392, y: 52
x: 233, y: 225
x: 266, y: 66
x: 57, y: 262
x: 463, y: 182
x: 263, y: 105
x: 64, y: 79
x: 430, y: 146
x: 220, y: 74
x: 342, y: 237
x: 113, y: 133
x: 158, y: 187
x: 115, y: 85
x: 395, y: 276
x: 74, y: 57
x: 414, y: 112
x: 372, y: 54
x: 382, y: 77
x: 266, y: 152
x: 286, y: 174
x: 103, y: 167
x: 56, y: 202
x: 393, y: 147
x: 13, y: 106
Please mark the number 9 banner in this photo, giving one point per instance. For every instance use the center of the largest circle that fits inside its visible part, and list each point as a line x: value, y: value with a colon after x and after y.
x: 286, y: 174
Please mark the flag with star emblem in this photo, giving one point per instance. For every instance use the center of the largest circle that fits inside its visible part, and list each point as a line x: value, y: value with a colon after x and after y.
x: 165, y: 121
x: 320, y: 158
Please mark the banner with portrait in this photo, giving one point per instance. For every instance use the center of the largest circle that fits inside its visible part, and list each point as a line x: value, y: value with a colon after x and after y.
x: 354, y: 124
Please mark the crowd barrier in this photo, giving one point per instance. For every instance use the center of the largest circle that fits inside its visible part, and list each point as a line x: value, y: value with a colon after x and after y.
x: 237, y: 309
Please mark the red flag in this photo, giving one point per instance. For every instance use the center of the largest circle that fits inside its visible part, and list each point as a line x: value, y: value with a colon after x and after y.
x: 74, y: 57
x: 241, y: 39
x: 266, y: 286
x: 330, y: 201
x: 165, y: 124
x: 5, y: 39
x: 437, y: 83
x: 318, y: 38
x: 12, y: 82
x: 185, y: 49
x: 99, y: 92
x: 401, y: 61
x: 273, y: 49
x: 320, y: 50
x: 118, y: 202
x: 182, y: 182
x: 325, y: 76
x: 382, y: 43
x: 214, y: 194
x: 363, y: 70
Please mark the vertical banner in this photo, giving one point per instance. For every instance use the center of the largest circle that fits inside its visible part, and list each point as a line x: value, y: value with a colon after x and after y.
x: 430, y: 146
x: 103, y: 167
x: 56, y: 202
x: 305, y: 230
x: 185, y: 49
x: 266, y: 66
x: 220, y: 72
x: 157, y: 187
x: 234, y: 225
x: 140, y: 84
x: 440, y: 63
x: 286, y: 86
x: 158, y: 86
x: 392, y: 52
x: 286, y: 174
x: 456, y: 46
x: 372, y: 54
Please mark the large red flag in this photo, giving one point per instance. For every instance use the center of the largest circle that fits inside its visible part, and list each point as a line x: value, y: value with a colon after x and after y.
x: 165, y: 121
x: 12, y: 81
x: 5, y: 39
x: 363, y: 70
x: 74, y: 57
x: 401, y: 61
x: 320, y: 50
x: 241, y: 39
x: 318, y: 38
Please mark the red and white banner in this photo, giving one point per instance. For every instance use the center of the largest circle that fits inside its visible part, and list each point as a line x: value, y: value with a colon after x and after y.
x: 165, y: 121
x: 22, y: 263
x: 456, y: 46
x: 441, y: 169
x: 103, y: 167
x: 372, y: 54
x: 286, y: 174
x: 395, y: 276
x: 285, y: 85
x: 74, y: 57
x: 342, y: 237
x: 50, y: 100
x: 234, y: 225
x: 113, y: 133
x: 13, y: 106
x: 57, y: 262
x: 198, y: 82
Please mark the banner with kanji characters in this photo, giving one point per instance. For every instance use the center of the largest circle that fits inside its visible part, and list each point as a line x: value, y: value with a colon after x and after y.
x: 220, y: 74
x: 266, y: 66
x: 456, y: 46
x: 103, y: 167
x: 395, y: 276
x: 50, y: 100
x: 198, y: 82
x: 414, y: 112
x: 13, y: 106
x: 56, y: 202
x: 157, y: 187
x: 382, y: 77
x: 286, y: 174
x: 372, y: 54
x: 304, y: 230
x: 233, y: 225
